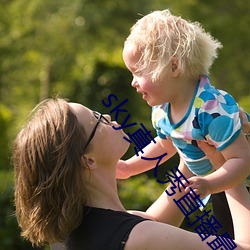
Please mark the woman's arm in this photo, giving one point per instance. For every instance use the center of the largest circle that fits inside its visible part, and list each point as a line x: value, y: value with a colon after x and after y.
x: 239, y: 203
x: 160, y: 236
x: 218, y: 160
x: 234, y: 171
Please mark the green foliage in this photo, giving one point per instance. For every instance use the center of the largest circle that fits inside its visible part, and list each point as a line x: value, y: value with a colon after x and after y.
x: 139, y: 192
x: 9, y: 231
x: 9, y: 237
x: 245, y: 103
x: 73, y: 48
x: 5, y: 123
x: 6, y: 181
x: 230, y: 71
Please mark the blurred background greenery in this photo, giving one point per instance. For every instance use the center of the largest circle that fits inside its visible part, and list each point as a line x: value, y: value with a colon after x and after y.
x: 72, y: 48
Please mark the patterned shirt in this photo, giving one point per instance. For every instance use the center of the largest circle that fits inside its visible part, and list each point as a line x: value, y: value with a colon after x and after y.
x: 213, y: 115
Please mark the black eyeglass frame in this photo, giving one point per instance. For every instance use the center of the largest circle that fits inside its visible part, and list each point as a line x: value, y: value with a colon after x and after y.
x: 100, y: 118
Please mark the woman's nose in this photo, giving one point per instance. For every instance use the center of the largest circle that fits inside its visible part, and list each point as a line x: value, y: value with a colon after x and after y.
x: 108, y: 117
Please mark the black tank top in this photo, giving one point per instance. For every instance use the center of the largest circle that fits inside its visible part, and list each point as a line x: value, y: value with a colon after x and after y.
x: 102, y: 229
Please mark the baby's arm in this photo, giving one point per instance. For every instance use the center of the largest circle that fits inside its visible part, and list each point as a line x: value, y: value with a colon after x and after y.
x: 233, y: 172
x: 135, y: 165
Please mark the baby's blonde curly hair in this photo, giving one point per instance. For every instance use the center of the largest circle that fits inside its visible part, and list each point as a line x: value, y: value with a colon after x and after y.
x: 161, y: 36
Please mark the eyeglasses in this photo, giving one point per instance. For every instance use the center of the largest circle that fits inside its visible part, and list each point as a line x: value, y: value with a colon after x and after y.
x: 100, y: 118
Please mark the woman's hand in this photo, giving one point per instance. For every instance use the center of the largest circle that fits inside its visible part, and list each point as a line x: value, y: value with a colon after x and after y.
x: 214, y: 155
x: 245, y: 124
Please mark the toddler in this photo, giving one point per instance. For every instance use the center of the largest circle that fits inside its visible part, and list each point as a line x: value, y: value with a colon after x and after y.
x: 170, y: 59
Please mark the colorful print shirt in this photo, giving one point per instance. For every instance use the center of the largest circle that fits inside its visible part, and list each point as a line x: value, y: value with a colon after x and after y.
x: 213, y: 116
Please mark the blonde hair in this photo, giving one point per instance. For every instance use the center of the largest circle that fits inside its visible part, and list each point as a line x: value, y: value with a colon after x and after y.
x: 160, y: 36
x: 49, y: 182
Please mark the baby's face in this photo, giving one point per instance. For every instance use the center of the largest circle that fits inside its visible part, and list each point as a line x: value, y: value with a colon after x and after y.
x: 152, y: 92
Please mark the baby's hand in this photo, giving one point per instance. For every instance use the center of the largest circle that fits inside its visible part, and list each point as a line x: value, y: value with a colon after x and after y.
x: 199, y: 185
x: 122, y: 171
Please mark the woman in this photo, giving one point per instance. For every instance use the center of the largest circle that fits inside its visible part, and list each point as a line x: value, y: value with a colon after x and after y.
x: 65, y: 188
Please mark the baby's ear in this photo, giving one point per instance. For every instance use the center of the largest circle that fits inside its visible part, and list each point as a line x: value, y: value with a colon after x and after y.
x: 89, y: 161
x: 175, y: 66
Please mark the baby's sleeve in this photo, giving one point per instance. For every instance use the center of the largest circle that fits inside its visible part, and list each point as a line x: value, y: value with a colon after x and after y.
x: 159, y: 121
x: 219, y: 120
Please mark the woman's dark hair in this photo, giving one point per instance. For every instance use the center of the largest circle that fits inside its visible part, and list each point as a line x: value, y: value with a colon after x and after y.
x: 49, y: 180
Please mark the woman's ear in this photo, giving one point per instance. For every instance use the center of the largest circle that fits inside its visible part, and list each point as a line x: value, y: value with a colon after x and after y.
x: 175, y: 66
x: 89, y: 161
